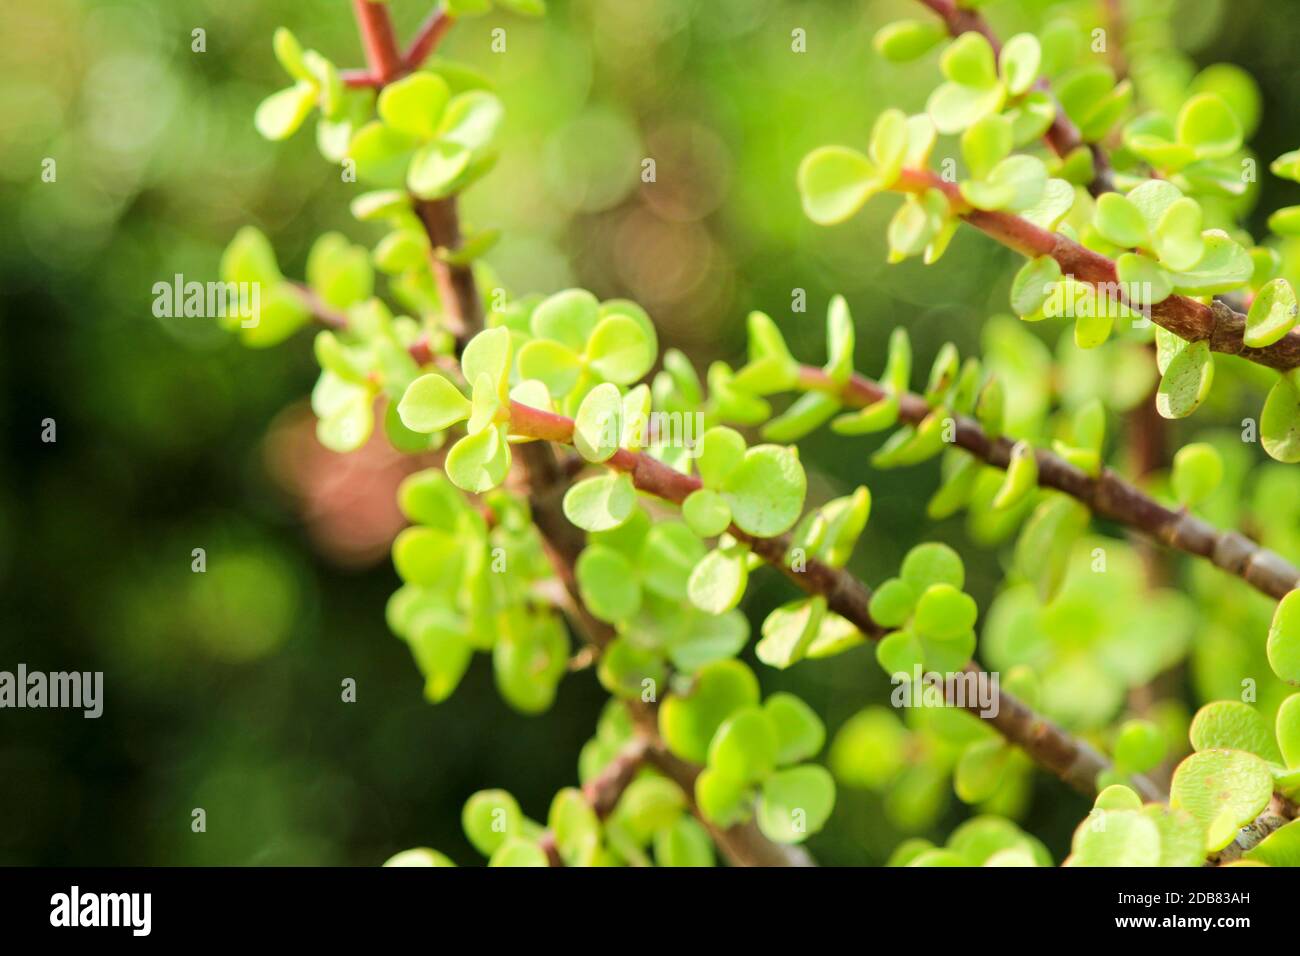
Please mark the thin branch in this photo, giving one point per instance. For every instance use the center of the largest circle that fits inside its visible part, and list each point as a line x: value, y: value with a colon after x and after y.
x: 603, y: 791
x: 1221, y: 326
x: 427, y: 37
x: 545, y: 479
x: 457, y: 291
x: 1073, y: 760
x: 379, y: 40
x: 1062, y: 136
x: 1107, y: 495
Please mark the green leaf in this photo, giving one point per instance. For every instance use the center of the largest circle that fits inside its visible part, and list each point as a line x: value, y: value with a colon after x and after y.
x: 668, y: 555
x: 381, y: 204
x: 932, y: 563
x: 1287, y: 166
x: 1177, y: 236
x: 250, y: 258
x: 1223, y: 790
x: 280, y: 114
x: 1186, y: 382
x: 1015, y: 184
x: 608, y: 584
x: 943, y: 612
x: 1209, y: 127
x: 839, y: 341
x: 598, y: 425
x: 441, y: 651
x: 1232, y: 725
x: 981, y: 770
x: 1021, y: 477
x: 431, y: 404
x: 1020, y: 59
x: 437, y: 169
x: 429, y: 498
x: 683, y: 843
x: 479, y: 462
x: 554, y: 364
x: 619, y: 350
x: 718, y: 581
x: 420, y: 856
x: 1118, y: 797
x: 805, y: 415
x: 1272, y: 314
x: 426, y: 557
x: 789, y: 630
x: 1285, y: 221
x: 954, y: 106
x: 339, y: 272
x: 1288, y: 730
x: 1279, y: 423
x: 1144, y: 282
x: 795, y: 803
x: 687, y: 722
x: 1033, y: 284
x: 1284, y: 639
x: 1224, y: 266
x: 490, y: 818
x: 1032, y: 117
x: 800, y: 733
x: 381, y: 155
x: 575, y: 827
x: 488, y: 353
x: 1139, y: 747
x: 723, y: 800
x: 900, y: 653
x: 414, y: 104
x: 915, y: 224
x: 706, y: 513
x: 906, y: 40
x: 835, y: 182
x: 568, y: 317
x: 516, y: 853
x: 288, y: 51
x: 1043, y: 549
x: 471, y: 119
x: 1198, y: 471
x: 1121, y: 838
x: 349, y: 424
x: 766, y: 490
x: 876, y: 417
x: 771, y: 367
x: 888, y: 145
x: 985, y: 144
x: 1120, y: 221
x: 625, y: 668
x: 969, y: 61
x: 745, y: 746
x: 892, y: 603
x: 601, y: 503
x: 1153, y: 199
x: 722, y: 449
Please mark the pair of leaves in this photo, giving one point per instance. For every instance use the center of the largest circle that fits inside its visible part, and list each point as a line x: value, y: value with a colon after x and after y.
x: 431, y: 142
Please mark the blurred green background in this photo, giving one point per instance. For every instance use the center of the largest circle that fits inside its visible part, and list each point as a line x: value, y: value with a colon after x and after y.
x: 223, y: 689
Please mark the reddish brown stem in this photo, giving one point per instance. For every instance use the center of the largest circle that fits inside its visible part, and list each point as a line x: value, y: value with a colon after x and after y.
x: 1062, y: 136
x: 379, y: 40
x: 1107, y: 495
x: 1072, y: 760
x: 427, y: 37
x: 1218, y: 324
